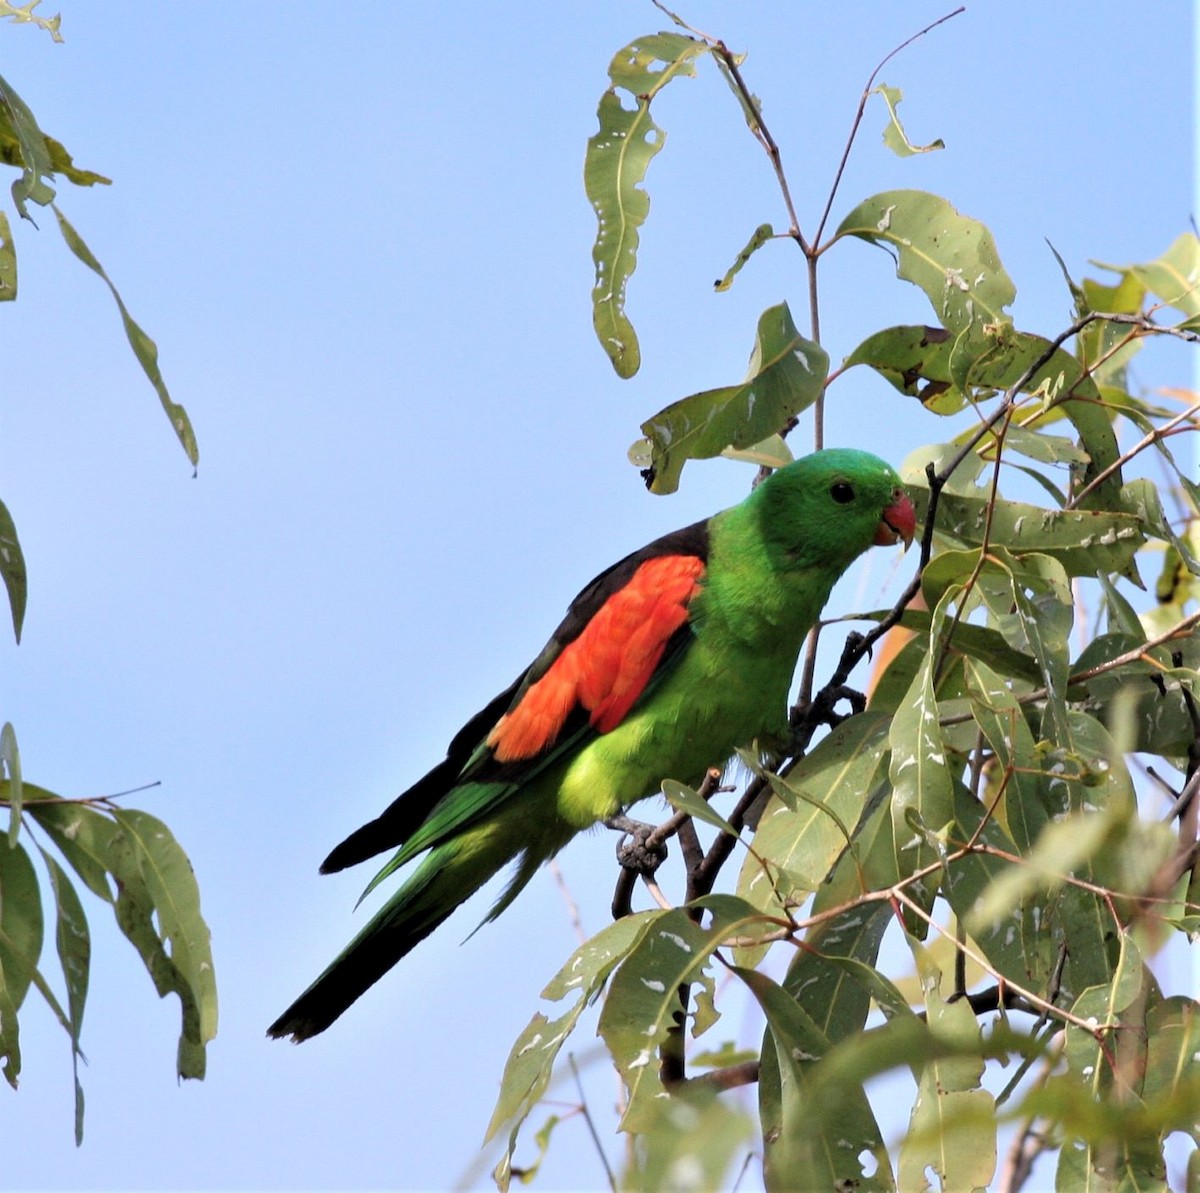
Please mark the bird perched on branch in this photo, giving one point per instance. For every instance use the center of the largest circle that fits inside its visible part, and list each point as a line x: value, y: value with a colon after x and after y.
x: 663, y: 666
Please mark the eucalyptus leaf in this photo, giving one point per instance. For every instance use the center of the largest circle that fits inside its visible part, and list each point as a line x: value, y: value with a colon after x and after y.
x: 615, y: 165
x: 73, y: 940
x: 951, y: 257
x: 952, y: 1129
x: 643, y: 998
x: 12, y: 570
x: 8, y: 261
x: 894, y: 136
x: 17, y: 124
x: 758, y: 238
x: 143, y: 346
x: 684, y: 799
x: 800, y: 1153
x: 1083, y: 541
x: 10, y: 763
x: 1175, y: 276
x: 786, y: 375
x: 175, y: 896
x: 21, y: 924
x: 530, y: 1063
x: 808, y: 822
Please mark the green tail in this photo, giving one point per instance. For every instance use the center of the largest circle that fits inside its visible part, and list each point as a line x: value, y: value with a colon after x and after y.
x: 448, y: 876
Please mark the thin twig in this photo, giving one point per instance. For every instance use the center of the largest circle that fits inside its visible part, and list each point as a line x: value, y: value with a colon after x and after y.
x: 591, y: 1126
x: 1146, y: 441
x: 573, y: 916
x: 858, y: 116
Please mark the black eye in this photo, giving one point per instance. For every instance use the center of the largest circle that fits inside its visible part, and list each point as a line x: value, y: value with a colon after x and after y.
x: 842, y: 492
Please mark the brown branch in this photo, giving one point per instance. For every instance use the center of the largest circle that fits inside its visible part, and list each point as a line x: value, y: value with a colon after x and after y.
x: 1146, y: 441
x: 591, y: 1126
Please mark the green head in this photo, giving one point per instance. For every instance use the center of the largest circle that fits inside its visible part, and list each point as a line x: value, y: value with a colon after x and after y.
x: 826, y: 509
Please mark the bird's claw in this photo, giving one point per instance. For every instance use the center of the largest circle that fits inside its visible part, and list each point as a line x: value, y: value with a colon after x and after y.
x: 635, y: 851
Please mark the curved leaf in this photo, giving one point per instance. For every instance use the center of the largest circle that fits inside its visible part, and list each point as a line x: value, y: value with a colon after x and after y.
x: 614, y: 167
x: 761, y: 235
x: 12, y: 570
x: 801, y: 1152
x: 144, y: 348
x: 786, y: 375
x: 950, y: 256
x: 808, y: 821
x: 643, y: 999
x: 8, y: 261
x: 894, y: 136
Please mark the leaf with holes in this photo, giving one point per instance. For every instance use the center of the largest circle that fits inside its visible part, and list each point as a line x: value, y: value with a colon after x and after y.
x: 950, y: 256
x: 614, y: 168
x: 894, y: 136
x: 786, y: 375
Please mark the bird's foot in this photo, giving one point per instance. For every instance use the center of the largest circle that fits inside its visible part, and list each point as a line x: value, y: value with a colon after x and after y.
x: 635, y: 850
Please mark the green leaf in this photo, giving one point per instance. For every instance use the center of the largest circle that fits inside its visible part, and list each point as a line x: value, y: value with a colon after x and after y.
x: 17, y: 123
x: 73, y: 940
x: 21, y: 925
x: 1063, y: 847
x: 174, y: 897
x: 832, y: 978
x: 915, y: 360
x: 786, y: 375
x: 974, y: 641
x: 1037, y: 445
x: 62, y: 163
x: 643, y: 998
x: 772, y: 452
x: 952, y: 1129
x: 1021, y: 806
x: 1172, y: 1077
x: 10, y: 761
x: 1104, y: 348
x: 10, y: 1034
x: 1175, y: 276
x: 894, y: 136
x: 951, y: 257
x: 614, y: 168
x: 1101, y: 1007
x: 530, y: 1063
x: 8, y: 261
x: 919, y: 773
x: 12, y: 570
x: 684, y: 799
x: 945, y: 372
x: 809, y: 820
x: 1158, y: 713
x: 81, y: 834
x: 760, y: 236
x: 800, y: 1152
x: 22, y: 14
x: 1141, y: 499
x: 691, y: 1141
x: 1082, y: 541
x: 143, y: 346
x: 1021, y: 945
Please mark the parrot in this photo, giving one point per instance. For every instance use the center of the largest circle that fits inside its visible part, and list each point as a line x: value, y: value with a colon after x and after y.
x: 663, y: 666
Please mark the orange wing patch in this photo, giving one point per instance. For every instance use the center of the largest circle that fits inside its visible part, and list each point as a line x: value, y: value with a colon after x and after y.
x: 607, y: 667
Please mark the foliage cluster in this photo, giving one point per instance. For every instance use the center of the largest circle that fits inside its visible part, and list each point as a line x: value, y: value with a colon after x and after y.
x: 1015, y: 798
x: 126, y: 858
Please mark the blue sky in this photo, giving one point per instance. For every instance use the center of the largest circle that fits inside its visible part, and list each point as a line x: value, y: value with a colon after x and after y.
x: 359, y: 237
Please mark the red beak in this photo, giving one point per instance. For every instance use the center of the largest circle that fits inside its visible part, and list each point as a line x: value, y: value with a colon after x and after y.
x: 899, y: 522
